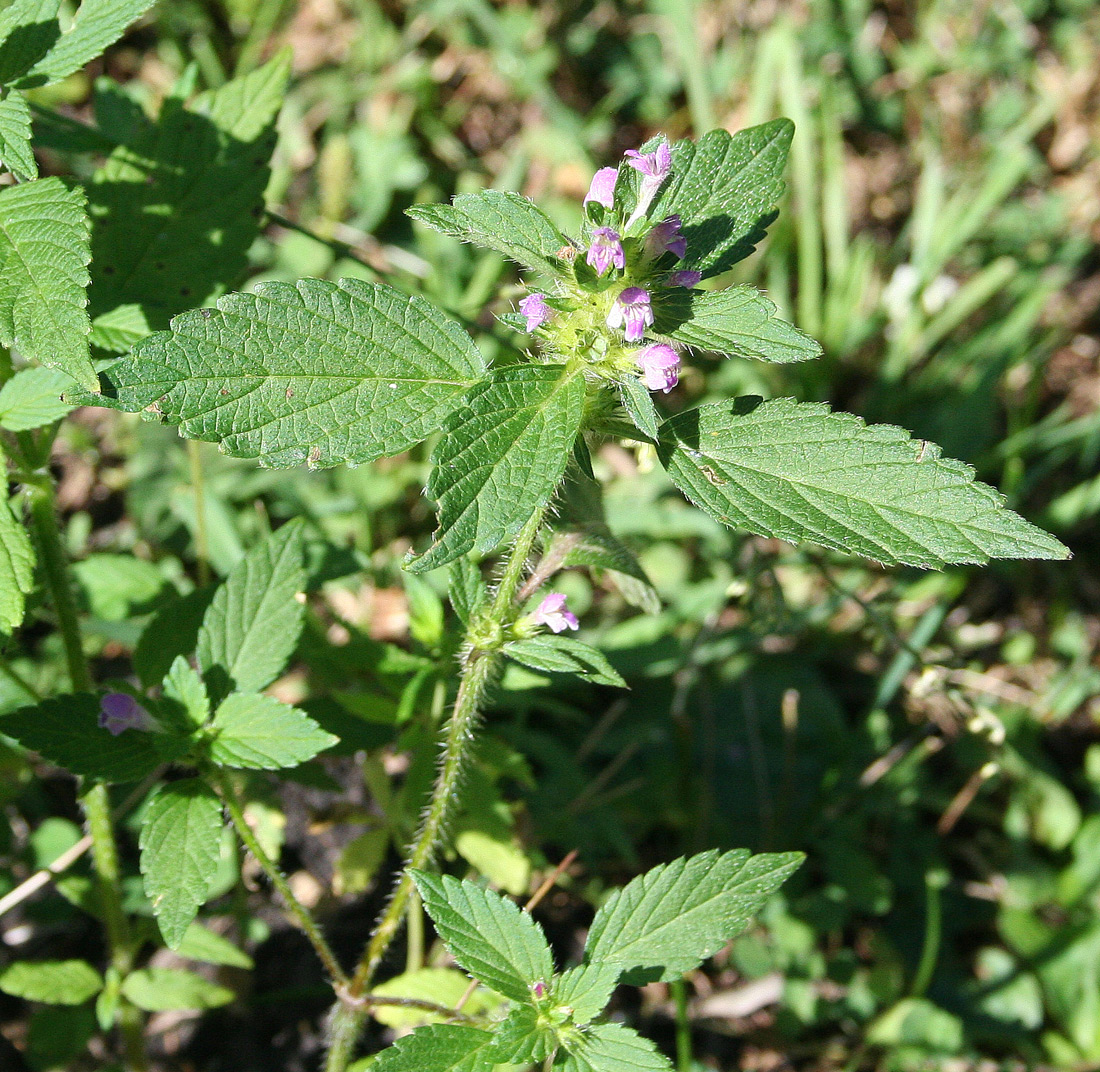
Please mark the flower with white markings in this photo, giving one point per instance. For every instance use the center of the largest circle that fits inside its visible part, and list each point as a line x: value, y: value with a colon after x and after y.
x: 632, y: 312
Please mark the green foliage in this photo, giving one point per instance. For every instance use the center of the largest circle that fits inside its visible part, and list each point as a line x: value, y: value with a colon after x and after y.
x: 44, y: 254
x: 585, y: 990
x: 15, y: 136
x: 16, y: 568
x: 165, y: 989
x: 385, y: 371
x: 259, y: 733
x: 28, y: 29
x: 501, y: 457
x: 56, y: 982
x: 32, y: 398
x: 639, y: 404
x: 564, y: 655
x: 614, y: 1048
x: 799, y: 472
x: 180, y: 844
x: 669, y: 920
x: 439, y: 1048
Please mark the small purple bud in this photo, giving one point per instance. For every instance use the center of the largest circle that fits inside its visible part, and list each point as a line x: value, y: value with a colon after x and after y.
x: 606, y: 250
x: 539, y: 990
x: 631, y: 312
x: 666, y: 238
x: 602, y: 189
x: 119, y: 711
x: 552, y: 613
x: 536, y: 310
x: 655, y: 168
x: 660, y: 366
x: 686, y: 277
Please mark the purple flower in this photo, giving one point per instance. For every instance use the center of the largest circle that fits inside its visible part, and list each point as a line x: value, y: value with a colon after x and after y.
x: 551, y: 612
x: 666, y: 238
x: 602, y: 189
x: 119, y: 711
x: 684, y: 278
x: 631, y: 312
x: 660, y: 366
x: 536, y: 310
x: 654, y: 167
x: 606, y: 250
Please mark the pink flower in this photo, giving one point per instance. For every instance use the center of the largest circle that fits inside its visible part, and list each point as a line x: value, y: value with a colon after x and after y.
x: 536, y: 310
x: 655, y: 168
x: 666, y: 238
x: 552, y: 613
x: 606, y: 250
x: 631, y: 312
x: 119, y: 711
x: 602, y: 189
x: 660, y: 366
x: 684, y: 278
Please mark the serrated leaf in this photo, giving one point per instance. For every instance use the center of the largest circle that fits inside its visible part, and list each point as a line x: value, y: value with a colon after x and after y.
x: 177, y: 206
x: 489, y: 936
x: 739, y: 321
x: 98, y: 23
x: 258, y: 732
x: 595, y: 548
x: 674, y: 917
x: 613, y: 1048
x: 180, y: 849
x: 32, y: 398
x: 443, y: 986
x: 253, y: 622
x: 639, y: 404
x: 438, y: 1048
x: 520, y: 1038
x: 162, y: 989
x: 501, y: 457
x: 28, y: 28
x: 15, y: 136
x: 55, y: 982
x: 800, y: 472
x: 314, y: 371
x: 65, y: 730
x: 186, y: 691
x: 724, y: 188
x: 204, y: 945
x: 16, y: 568
x: 507, y: 222
x: 44, y: 254
x: 585, y: 989
x: 564, y: 655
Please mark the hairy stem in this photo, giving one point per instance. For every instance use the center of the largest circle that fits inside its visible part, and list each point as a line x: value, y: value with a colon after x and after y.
x: 478, y: 670
x: 298, y: 910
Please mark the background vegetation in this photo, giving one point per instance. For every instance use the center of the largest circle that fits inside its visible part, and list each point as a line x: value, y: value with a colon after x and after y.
x: 929, y: 740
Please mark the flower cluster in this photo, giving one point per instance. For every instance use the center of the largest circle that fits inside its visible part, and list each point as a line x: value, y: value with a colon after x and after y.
x: 626, y: 264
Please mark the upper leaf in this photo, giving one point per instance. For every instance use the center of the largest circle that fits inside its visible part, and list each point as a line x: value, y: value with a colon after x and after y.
x: 28, y: 28
x: 16, y: 568
x: 507, y: 222
x: 438, y: 1048
x: 487, y: 935
x: 177, y: 205
x: 180, y: 844
x: 15, y: 136
x: 738, y: 320
x: 501, y: 457
x: 585, y: 989
x: 44, y: 255
x: 66, y: 731
x: 32, y: 398
x: 56, y: 982
x: 253, y: 622
x: 258, y: 732
x: 672, y: 918
x: 800, y: 472
x: 312, y: 371
x: 613, y: 1048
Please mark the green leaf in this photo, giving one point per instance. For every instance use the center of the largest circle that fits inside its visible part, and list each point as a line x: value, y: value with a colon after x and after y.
x: 672, y: 918
x: 162, y: 989
x: 438, y: 1048
x: 32, y: 398
x: 15, y: 136
x: 65, y: 730
x: 201, y: 944
x: 443, y: 986
x: 171, y: 632
x: 521, y: 1038
x: 260, y: 733
x: 724, y: 188
x: 489, y: 936
x: 116, y: 586
x: 180, y: 847
x: 739, y: 321
x: 585, y: 989
x: 613, y: 1048
x: 177, y: 206
x: 186, y: 692
x: 16, y: 568
x: 253, y: 622
x: 28, y: 29
x: 594, y: 548
x: 639, y: 404
x: 55, y: 982
x: 564, y: 655
x: 468, y: 590
x: 97, y: 24
x: 510, y: 224
x: 312, y: 371
x: 501, y: 457
x: 799, y: 472
x: 44, y: 255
